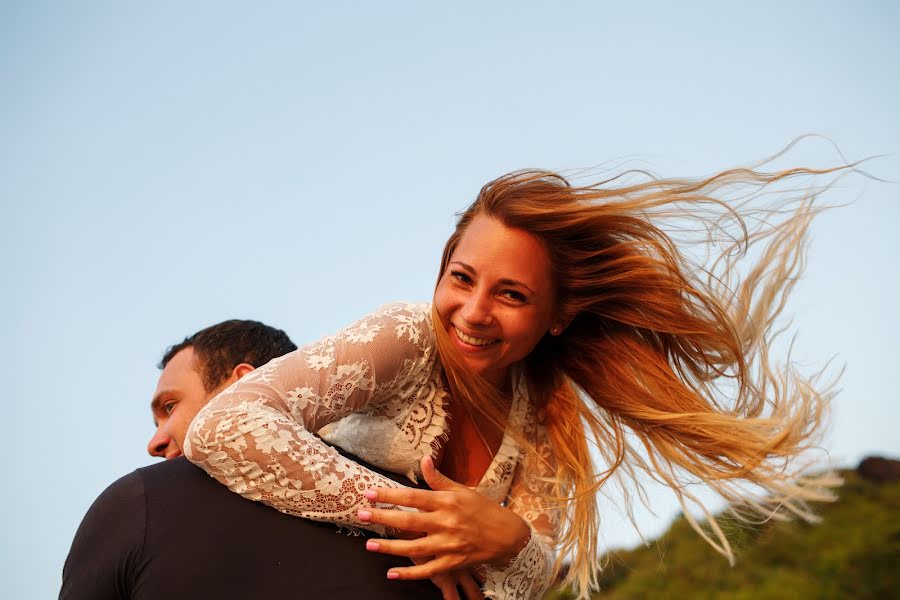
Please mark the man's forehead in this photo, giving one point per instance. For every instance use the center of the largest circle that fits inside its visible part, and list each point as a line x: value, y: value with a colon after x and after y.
x: 179, y: 371
x: 183, y: 359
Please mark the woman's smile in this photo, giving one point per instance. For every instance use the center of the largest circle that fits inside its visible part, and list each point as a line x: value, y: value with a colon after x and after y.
x: 472, y: 340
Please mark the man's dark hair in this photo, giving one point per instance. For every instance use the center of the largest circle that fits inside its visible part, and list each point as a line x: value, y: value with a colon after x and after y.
x: 221, y: 347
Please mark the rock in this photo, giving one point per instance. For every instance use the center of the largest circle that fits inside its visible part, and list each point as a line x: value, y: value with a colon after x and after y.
x: 879, y: 469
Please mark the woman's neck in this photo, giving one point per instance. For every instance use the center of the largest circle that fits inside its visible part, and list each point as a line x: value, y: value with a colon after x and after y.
x: 470, y: 448
x: 474, y: 439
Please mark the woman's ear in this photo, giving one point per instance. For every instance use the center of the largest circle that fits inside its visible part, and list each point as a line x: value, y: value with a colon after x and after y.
x: 560, y: 325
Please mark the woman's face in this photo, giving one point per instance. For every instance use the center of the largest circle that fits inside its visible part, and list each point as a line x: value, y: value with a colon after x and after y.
x: 496, y: 297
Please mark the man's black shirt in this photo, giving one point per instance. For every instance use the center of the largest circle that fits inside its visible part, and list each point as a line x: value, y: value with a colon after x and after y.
x: 169, y: 531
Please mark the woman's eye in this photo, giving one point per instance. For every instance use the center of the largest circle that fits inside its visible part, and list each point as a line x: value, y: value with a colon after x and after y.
x: 514, y: 295
x: 461, y: 277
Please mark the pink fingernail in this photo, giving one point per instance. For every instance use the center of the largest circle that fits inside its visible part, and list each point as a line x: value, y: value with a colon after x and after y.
x: 372, y: 545
x: 364, y: 515
x: 371, y: 495
x: 393, y: 575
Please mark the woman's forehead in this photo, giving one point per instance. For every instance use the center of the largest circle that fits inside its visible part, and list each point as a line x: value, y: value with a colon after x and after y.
x: 494, y: 250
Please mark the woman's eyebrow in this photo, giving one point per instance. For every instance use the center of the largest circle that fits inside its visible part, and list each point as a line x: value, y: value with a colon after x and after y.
x: 464, y: 265
x: 504, y: 281
x: 519, y: 283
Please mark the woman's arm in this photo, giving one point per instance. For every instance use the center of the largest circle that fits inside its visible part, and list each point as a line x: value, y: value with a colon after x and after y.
x: 257, y: 437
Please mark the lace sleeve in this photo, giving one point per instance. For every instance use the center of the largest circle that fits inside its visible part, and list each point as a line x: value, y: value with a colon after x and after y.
x: 256, y: 436
x: 528, y: 576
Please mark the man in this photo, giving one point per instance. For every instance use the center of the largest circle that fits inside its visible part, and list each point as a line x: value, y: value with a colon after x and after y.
x: 170, y: 531
x: 200, y: 367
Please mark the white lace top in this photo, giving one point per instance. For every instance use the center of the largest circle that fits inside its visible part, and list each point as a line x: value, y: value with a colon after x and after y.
x: 374, y: 389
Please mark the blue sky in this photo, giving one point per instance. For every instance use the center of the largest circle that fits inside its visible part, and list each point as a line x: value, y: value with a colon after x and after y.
x: 165, y: 166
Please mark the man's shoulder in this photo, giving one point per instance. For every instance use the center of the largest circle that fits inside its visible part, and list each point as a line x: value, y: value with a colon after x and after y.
x: 107, y: 548
x: 169, y: 471
x: 126, y: 491
x: 177, y: 481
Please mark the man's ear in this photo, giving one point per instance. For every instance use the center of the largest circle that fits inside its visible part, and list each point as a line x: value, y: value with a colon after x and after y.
x: 236, y: 373
x: 239, y: 371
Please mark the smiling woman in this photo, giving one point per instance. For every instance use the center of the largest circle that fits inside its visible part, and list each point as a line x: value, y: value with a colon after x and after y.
x: 562, y: 314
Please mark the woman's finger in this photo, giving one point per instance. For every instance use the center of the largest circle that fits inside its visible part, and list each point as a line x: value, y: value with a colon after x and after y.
x: 418, y: 548
x: 435, y: 479
x: 422, y: 499
x: 397, y: 519
x: 426, y: 570
x: 448, y: 588
x: 469, y: 585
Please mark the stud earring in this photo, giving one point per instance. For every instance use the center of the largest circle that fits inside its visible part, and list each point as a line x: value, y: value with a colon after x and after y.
x: 555, y: 331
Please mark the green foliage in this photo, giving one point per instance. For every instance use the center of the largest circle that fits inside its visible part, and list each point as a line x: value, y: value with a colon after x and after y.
x: 853, y: 553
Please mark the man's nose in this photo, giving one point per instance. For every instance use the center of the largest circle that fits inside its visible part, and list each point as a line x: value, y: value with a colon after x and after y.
x: 159, y: 442
x: 477, y: 309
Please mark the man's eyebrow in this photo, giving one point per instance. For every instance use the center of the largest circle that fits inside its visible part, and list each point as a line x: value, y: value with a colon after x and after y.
x: 504, y: 281
x: 158, y: 398
x: 156, y: 403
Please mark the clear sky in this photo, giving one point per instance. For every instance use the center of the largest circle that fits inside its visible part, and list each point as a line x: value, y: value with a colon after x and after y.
x: 168, y: 165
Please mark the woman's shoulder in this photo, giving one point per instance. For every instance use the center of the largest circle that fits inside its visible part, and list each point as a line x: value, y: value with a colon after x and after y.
x: 410, y: 321
x: 400, y: 308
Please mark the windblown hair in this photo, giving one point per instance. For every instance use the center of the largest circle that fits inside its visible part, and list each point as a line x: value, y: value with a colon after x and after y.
x: 666, y: 363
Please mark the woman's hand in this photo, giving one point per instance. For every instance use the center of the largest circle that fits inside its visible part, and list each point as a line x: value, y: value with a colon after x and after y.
x: 461, y: 528
x: 450, y: 584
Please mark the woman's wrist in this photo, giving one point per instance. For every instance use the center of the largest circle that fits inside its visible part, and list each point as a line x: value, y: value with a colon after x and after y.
x: 520, y: 538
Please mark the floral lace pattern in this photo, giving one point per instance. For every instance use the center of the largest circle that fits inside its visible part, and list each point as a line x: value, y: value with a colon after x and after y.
x: 526, y: 577
x: 374, y: 389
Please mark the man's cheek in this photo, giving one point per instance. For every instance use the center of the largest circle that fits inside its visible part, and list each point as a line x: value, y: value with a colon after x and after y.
x: 178, y: 428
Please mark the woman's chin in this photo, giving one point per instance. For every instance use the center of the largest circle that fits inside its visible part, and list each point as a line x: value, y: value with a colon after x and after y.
x: 491, y: 374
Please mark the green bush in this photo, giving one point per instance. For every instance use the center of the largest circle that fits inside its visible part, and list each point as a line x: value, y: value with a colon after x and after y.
x: 853, y: 553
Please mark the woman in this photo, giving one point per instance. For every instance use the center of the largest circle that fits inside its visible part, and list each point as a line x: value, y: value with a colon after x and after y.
x: 561, y: 314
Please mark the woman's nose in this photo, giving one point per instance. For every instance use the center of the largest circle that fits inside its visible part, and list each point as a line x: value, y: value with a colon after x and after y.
x: 477, y: 309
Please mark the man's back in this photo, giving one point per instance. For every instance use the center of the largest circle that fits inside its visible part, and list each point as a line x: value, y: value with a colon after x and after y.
x: 170, y: 531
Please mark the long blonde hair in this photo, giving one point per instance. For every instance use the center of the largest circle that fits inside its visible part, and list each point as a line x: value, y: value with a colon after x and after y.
x: 666, y: 363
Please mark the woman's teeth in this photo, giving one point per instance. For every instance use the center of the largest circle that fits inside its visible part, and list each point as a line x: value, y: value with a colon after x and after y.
x: 474, y: 341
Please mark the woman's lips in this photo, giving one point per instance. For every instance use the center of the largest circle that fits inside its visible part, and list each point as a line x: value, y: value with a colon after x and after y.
x: 472, y: 340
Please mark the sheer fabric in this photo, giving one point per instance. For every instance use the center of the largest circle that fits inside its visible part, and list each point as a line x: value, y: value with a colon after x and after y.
x: 374, y: 389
